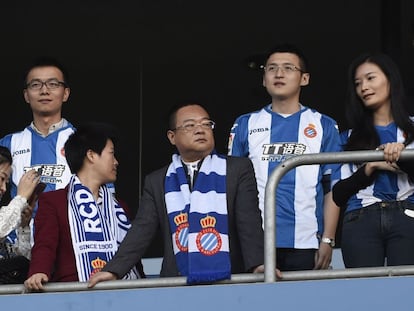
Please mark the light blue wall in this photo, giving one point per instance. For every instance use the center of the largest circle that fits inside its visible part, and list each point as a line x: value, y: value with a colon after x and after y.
x: 389, y: 293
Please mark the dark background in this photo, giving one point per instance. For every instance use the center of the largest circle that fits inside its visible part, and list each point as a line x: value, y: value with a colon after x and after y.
x: 129, y: 61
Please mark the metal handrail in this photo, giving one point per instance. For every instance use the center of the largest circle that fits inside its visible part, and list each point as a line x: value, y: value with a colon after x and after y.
x: 282, y: 169
x: 66, y: 287
x: 270, y: 238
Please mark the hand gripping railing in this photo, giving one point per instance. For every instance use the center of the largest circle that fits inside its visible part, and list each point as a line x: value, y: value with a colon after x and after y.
x: 270, y: 238
x: 282, y: 169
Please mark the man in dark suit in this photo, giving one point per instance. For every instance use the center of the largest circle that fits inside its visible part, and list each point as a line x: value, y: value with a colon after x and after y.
x: 210, y: 220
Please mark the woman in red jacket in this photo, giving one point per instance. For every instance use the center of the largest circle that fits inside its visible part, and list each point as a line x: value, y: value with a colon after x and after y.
x: 78, y: 228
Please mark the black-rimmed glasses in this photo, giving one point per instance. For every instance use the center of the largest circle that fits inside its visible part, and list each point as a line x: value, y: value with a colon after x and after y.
x: 51, y: 84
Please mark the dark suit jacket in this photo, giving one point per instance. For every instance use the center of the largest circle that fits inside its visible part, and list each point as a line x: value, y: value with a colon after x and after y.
x: 245, y: 223
x: 52, y: 252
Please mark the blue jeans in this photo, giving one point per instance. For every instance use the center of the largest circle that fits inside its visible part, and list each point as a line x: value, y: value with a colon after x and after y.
x: 378, y: 234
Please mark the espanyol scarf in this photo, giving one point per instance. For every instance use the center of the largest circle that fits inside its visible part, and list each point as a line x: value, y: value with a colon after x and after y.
x: 96, y: 231
x: 198, y: 220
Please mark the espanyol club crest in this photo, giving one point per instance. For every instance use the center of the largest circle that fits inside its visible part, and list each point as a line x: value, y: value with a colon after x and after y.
x: 181, y: 233
x: 310, y: 131
x: 208, y: 239
x: 97, y: 265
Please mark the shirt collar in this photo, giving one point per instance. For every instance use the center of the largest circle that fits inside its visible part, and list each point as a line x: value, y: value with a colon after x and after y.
x: 54, y: 127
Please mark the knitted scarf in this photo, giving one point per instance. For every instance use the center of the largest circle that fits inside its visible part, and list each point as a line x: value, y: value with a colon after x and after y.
x: 96, y: 231
x: 198, y: 220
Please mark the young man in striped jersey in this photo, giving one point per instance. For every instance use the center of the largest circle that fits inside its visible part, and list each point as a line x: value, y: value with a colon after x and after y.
x: 39, y: 145
x: 306, y: 217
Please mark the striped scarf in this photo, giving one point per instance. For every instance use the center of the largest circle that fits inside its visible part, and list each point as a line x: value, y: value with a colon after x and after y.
x: 96, y: 231
x: 198, y: 220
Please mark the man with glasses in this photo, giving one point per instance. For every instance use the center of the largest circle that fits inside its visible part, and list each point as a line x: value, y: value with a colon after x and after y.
x: 210, y: 220
x: 306, y: 217
x: 39, y: 146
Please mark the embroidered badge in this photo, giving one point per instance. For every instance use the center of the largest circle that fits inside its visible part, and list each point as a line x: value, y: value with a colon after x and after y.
x: 208, y: 239
x: 181, y: 233
x: 310, y: 131
x: 97, y: 265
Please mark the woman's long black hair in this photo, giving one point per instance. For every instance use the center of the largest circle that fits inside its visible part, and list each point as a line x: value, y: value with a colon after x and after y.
x: 360, y: 118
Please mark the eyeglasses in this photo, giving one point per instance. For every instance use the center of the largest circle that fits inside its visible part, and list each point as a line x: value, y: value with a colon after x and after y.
x: 286, y: 68
x: 51, y: 84
x: 190, y: 126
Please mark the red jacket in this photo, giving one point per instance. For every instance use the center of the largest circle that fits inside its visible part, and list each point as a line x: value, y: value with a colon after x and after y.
x: 52, y: 252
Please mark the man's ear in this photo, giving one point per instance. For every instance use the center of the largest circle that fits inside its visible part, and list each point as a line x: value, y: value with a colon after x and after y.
x: 305, y: 79
x: 26, y: 97
x: 66, y: 95
x: 171, y: 137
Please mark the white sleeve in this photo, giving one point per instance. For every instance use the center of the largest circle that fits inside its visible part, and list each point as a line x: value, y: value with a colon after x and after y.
x: 10, y: 215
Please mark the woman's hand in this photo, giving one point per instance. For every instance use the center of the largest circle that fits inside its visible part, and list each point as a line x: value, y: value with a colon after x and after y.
x: 392, y: 151
x: 28, y: 183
